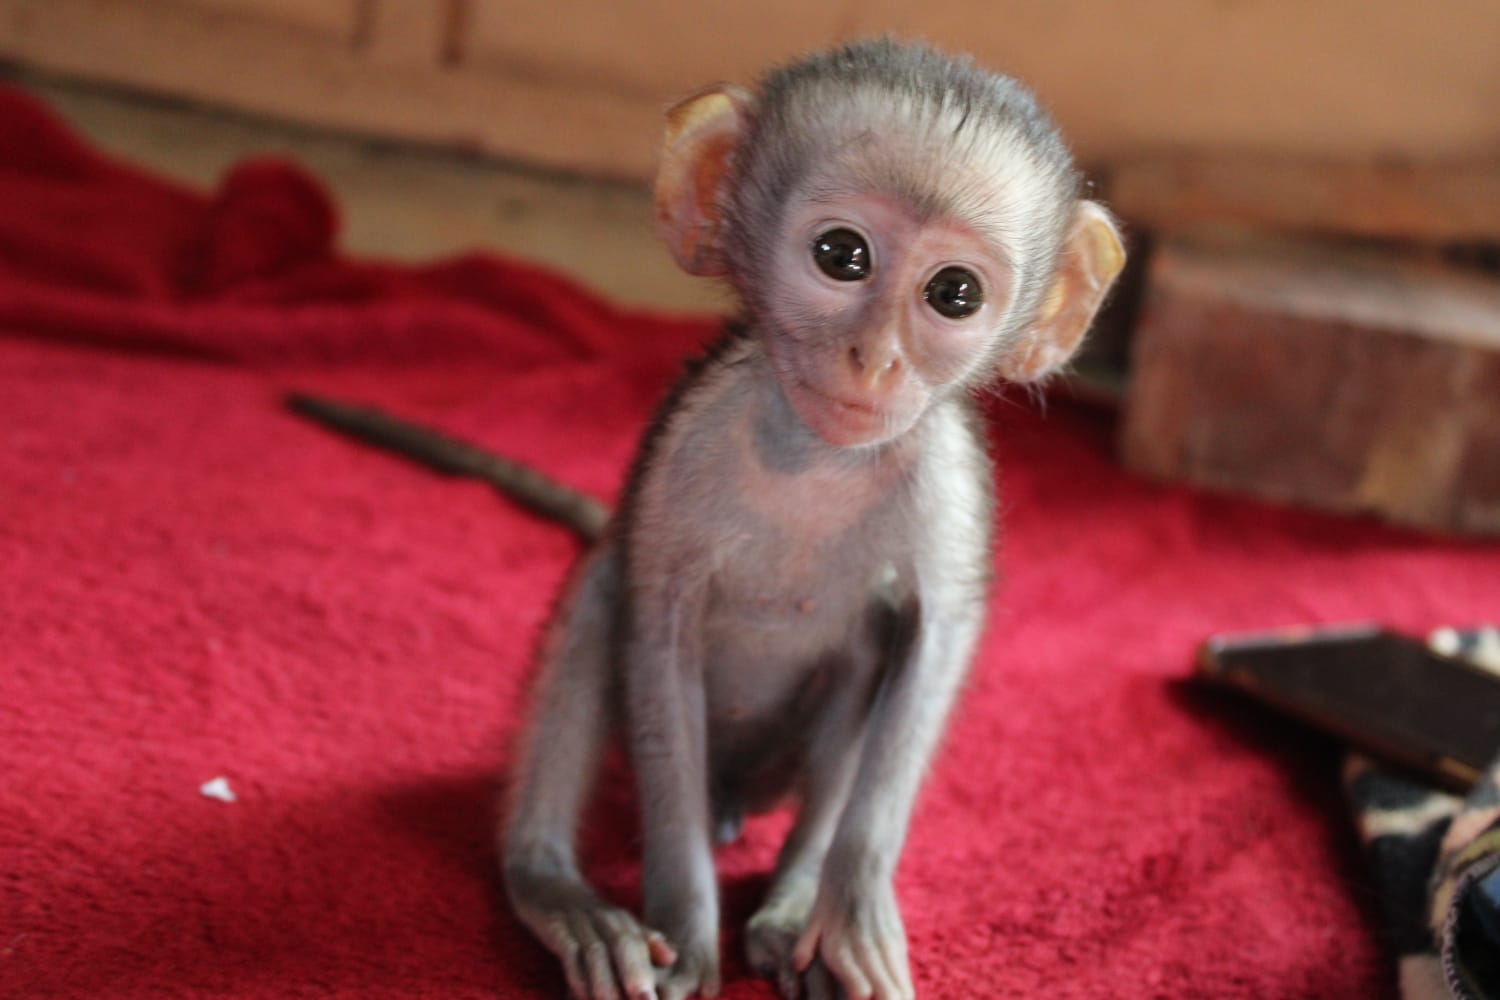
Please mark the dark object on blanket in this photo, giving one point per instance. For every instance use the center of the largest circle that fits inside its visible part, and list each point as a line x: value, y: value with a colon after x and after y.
x: 1436, y: 859
x: 1389, y: 694
x: 1435, y: 862
x: 453, y: 457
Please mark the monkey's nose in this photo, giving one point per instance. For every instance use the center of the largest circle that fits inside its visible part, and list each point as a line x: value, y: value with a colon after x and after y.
x: 873, y: 364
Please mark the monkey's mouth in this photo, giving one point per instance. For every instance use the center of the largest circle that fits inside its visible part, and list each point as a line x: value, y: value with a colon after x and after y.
x: 842, y: 422
x: 846, y: 405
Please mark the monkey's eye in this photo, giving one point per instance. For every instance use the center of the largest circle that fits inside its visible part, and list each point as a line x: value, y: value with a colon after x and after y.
x: 954, y: 292
x: 842, y: 254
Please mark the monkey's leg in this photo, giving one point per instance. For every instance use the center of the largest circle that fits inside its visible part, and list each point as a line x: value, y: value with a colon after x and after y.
x: 773, y: 931
x: 666, y: 718
x: 602, y: 948
x: 855, y: 925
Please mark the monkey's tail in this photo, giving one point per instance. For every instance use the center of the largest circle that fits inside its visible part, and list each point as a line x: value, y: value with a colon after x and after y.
x: 578, y: 511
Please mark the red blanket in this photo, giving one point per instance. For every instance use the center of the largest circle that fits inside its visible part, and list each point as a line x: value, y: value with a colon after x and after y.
x: 196, y: 585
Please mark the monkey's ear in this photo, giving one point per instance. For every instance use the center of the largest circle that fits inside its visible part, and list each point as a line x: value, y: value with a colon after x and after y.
x: 702, y: 132
x: 1092, y: 257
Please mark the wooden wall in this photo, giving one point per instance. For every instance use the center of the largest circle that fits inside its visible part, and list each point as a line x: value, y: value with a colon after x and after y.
x: 580, y: 83
x: 1377, y: 118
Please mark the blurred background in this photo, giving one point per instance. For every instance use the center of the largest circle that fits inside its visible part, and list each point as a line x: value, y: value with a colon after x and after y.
x: 1312, y: 189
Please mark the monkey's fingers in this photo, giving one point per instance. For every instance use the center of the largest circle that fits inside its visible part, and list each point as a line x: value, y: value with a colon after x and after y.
x: 607, y: 955
x: 633, y: 950
x: 865, y: 965
x: 600, y: 972
x: 776, y: 965
x: 880, y: 945
x: 769, y: 939
x: 695, y: 974
x: 571, y: 956
x: 807, y: 946
x: 849, y: 971
x: 632, y: 961
x: 662, y: 952
x: 892, y: 948
x: 869, y: 956
x: 587, y: 962
x: 820, y: 985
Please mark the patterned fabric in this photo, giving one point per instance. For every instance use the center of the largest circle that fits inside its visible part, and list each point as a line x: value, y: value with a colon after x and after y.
x: 1436, y: 860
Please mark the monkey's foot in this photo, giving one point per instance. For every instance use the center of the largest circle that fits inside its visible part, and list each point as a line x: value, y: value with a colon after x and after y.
x: 855, y: 934
x: 606, y: 952
x: 771, y: 939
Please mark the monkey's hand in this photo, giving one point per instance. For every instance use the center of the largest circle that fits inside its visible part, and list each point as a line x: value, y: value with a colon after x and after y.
x: 772, y: 934
x: 855, y: 933
x: 606, y: 952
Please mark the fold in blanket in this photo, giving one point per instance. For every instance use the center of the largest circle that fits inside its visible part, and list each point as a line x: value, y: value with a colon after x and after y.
x: 1437, y: 861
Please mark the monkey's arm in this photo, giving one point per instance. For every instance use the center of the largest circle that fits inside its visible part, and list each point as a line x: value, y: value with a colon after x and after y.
x: 448, y: 455
x: 904, y: 730
x: 604, y: 950
x: 666, y: 718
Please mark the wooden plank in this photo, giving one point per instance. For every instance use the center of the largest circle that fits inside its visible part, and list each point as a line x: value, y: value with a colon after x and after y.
x: 659, y: 49
x: 1316, y: 374
x: 334, y: 19
x: 412, y: 34
x: 264, y: 67
x: 1432, y: 201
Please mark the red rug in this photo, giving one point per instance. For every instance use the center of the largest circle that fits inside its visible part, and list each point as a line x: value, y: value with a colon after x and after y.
x: 196, y: 585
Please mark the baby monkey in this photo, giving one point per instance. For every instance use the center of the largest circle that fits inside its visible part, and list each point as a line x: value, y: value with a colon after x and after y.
x: 787, y: 600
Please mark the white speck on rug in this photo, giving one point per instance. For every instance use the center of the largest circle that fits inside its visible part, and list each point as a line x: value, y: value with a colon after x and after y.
x: 219, y: 789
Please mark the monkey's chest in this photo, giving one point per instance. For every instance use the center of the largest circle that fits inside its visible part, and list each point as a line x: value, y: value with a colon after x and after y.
x: 783, y: 619
x: 811, y: 587
x: 764, y: 637
x: 775, y: 659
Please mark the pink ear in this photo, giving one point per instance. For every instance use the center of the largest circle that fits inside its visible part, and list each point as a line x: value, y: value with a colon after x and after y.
x: 701, y: 135
x: 1091, y: 259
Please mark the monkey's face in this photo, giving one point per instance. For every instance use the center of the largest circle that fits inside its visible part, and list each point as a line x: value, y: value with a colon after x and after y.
x: 877, y: 309
x: 892, y: 244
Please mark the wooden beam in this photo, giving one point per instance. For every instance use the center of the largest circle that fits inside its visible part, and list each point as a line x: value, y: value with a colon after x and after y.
x: 217, y: 54
x: 1318, y: 374
x: 1434, y: 202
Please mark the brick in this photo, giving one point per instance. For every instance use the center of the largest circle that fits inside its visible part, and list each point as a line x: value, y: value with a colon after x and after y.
x: 1340, y: 378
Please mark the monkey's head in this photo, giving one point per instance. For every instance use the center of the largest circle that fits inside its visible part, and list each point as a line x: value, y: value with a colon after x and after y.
x: 898, y: 224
